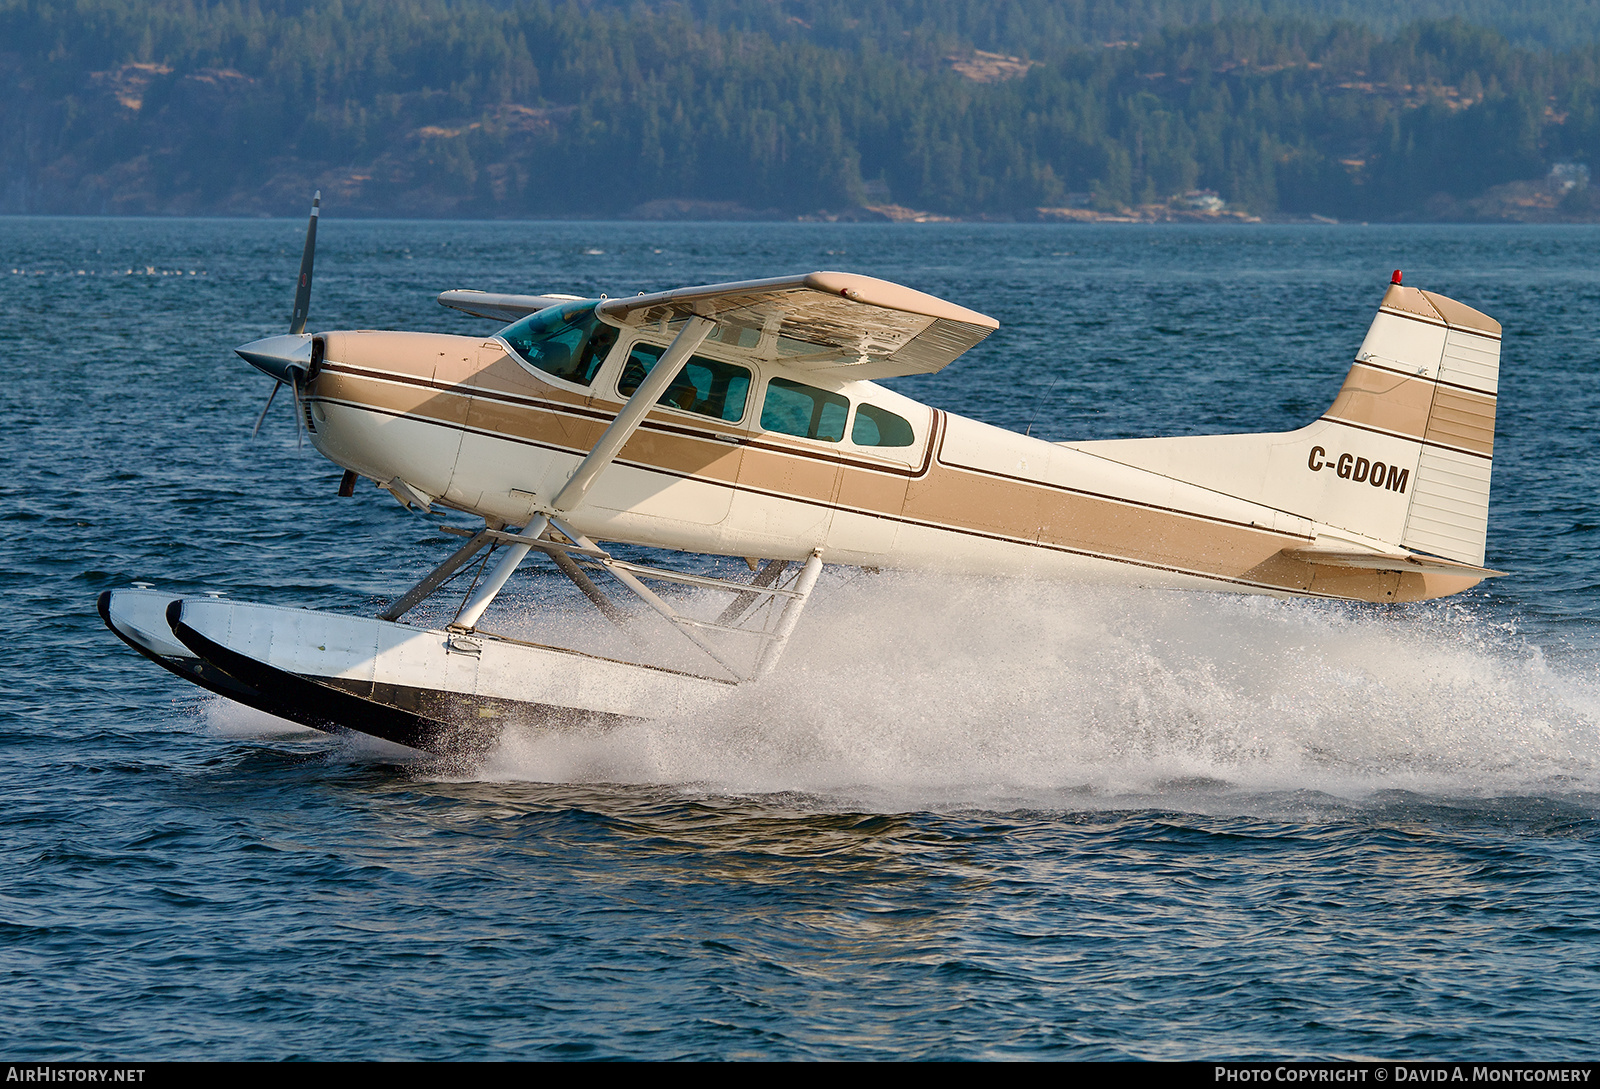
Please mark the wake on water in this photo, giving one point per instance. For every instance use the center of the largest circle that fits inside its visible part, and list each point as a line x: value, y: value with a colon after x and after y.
x: 906, y: 689
x: 994, y: 687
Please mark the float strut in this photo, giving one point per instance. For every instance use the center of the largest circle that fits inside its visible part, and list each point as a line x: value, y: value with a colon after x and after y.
x: 791, y: 615
x: 467, y: 618
x: 770, y: 572
x: 582, y: 581
x: 435, y: 578
x: 650, y: 598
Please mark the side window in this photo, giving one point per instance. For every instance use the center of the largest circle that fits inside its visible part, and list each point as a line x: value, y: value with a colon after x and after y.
x: 876, y: 426
x: 566, y: 341
x: 795, y: 409
x: 704, y: 386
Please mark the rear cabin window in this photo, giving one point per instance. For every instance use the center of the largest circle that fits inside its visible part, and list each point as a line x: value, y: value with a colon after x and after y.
x: 876, y: 426
x: 706, y: 387
x: 567, y: 341
x: 792, y: 408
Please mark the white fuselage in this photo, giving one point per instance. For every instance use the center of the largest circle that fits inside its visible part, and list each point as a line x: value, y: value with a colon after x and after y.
x: 467, y: 423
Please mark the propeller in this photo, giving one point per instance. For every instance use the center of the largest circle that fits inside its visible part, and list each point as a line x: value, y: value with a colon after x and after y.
x: 261, y: 418
x: 287, y: 356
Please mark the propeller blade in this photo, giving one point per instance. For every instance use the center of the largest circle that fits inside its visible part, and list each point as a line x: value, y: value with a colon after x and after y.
x: 261, y: 418
x: 287, y: 357
x: 302, y: 291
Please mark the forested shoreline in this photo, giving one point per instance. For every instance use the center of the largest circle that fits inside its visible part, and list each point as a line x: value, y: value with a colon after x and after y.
x: 783, y: 108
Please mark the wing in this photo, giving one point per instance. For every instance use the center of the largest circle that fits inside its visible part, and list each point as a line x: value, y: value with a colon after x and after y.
x: 852, y: 326
x: 507, y: 308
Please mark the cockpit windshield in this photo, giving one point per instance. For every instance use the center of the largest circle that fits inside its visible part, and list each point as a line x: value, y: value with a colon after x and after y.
x: 568, y: 341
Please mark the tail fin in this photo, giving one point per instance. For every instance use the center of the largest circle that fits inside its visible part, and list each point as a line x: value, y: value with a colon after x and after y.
x: 1428, y: 372
x: 1403, y: 455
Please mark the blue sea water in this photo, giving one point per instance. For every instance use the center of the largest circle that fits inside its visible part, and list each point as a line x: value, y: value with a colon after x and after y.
x: 968, y: 818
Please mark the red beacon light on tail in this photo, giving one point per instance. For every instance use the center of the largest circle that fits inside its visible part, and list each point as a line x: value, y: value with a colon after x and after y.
x: 1395, y: 278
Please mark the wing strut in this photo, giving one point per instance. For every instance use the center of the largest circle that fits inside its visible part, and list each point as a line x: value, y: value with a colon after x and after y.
x: 632, y: 414
x: 773, y: 632
x: 690, y: 337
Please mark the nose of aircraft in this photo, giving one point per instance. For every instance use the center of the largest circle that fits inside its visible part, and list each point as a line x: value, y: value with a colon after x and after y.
x: 279, y: 356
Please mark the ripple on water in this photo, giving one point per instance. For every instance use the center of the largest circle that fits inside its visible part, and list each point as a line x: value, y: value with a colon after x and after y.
x: 969, y: 818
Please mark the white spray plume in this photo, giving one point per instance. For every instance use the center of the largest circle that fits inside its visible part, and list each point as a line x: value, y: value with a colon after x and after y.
x: 908, y: 690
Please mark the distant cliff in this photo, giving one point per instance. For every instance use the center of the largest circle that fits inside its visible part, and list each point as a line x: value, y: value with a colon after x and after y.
x: 897, y: 109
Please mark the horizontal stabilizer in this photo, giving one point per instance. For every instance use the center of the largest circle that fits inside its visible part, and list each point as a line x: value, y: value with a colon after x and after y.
x: 1388, y: 561
x: 506, y: 308
x: 854, y: 326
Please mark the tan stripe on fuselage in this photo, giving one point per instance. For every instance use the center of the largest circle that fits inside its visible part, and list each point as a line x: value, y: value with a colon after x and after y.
x: 544, y: 424
x: 1037, y: 513
x: 935, y: 494
x: 400, y: 395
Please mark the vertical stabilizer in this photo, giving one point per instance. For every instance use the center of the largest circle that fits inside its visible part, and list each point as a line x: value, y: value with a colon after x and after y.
x: 1401, y: 458
x: 1429, y: 371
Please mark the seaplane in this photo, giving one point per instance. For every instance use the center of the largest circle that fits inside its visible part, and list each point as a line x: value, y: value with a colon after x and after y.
x: 745, y: 421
